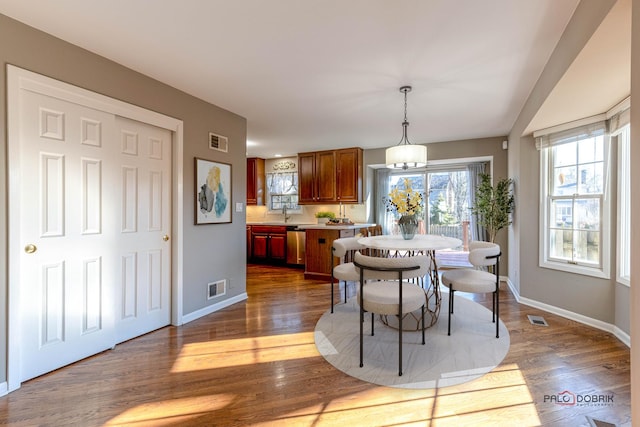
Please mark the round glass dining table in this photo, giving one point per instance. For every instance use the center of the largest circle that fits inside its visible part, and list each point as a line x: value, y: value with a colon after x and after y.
x: 421, y: 244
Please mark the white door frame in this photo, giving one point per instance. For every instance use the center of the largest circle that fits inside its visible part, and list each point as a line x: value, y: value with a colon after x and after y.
x: 19, y: 79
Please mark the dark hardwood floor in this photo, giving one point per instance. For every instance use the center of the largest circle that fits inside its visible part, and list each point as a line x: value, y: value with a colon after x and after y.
x: 255, y: 363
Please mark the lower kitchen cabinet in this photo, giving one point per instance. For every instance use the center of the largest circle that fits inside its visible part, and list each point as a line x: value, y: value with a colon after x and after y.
x: 318, y: 251
x: 268, y: 244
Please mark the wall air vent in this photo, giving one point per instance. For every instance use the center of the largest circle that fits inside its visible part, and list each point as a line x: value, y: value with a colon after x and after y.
x: 218, y: 142
x: 216, y: 289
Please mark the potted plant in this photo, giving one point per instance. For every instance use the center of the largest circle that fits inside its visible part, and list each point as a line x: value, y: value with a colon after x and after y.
x: 494, y: 204
x: 323, y: 217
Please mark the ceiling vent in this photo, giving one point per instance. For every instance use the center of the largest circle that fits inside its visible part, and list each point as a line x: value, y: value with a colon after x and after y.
x: 218, y: 142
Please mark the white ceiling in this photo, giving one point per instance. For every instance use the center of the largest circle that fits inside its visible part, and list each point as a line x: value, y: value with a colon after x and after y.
x: 312, y: 75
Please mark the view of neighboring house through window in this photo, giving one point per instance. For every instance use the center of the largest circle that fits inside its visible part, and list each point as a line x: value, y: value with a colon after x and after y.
x: 575, y: 210
x: 282, y: 190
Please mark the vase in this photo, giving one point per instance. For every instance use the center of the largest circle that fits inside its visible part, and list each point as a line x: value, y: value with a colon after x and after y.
x: 408, y: 225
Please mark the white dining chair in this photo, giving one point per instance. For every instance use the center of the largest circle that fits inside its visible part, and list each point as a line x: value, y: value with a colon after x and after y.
x: 344, y: 249
x: 388, y: 292
x: 475, y: 280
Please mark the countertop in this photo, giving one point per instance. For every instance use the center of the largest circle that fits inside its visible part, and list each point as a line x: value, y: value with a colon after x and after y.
x: 333, y: 227
x: 307, y: 226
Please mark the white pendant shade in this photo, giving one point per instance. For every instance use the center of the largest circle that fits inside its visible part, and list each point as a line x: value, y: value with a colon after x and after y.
x: 405, y: 156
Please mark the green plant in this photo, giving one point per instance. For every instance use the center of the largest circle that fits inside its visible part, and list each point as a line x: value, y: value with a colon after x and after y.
x: 322, y: 214
x: 494, y: 204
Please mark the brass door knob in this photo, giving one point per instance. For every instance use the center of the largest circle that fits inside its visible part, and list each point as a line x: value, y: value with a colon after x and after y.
x: 30, y: 248
x: 165, y: 238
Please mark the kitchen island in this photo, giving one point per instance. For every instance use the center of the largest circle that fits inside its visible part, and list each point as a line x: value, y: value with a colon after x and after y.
x: 318, y: 241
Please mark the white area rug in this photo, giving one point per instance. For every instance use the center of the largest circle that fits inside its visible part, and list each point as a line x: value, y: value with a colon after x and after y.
x: 471, y: 351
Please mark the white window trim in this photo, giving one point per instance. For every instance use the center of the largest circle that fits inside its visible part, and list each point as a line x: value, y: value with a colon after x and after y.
x: 544, y: 261
x: 624, y: 213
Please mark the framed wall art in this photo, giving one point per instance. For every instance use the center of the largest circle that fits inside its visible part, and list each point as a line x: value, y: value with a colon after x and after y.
x: 213, y: 192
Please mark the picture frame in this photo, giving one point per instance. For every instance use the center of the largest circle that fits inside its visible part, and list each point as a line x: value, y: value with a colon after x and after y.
x: 213, y: 198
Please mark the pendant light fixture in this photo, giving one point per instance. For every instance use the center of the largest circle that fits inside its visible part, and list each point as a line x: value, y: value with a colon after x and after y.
x: 405, y: 155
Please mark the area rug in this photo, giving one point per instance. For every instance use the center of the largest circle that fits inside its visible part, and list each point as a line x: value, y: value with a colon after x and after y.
x: 471, y: 351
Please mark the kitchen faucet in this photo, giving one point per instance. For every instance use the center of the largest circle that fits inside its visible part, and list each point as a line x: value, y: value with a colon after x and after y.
x: 284, y: 212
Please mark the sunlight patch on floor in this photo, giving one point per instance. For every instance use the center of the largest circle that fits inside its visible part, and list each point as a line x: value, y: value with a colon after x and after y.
x: 500, y: 397
x: 246, y: 351
x: 172, y: 412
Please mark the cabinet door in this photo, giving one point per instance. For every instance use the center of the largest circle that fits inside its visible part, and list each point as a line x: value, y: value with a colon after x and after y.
x: 326, y: 177
x: 278, y: 247
x: 318, y: 252
x: 349, y: 175
x: 255, y: 181
x: 260, y: 246
x: 306, y: 181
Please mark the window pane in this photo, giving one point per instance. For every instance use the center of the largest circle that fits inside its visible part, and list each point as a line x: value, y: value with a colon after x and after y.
x: 591, y: 150
x: 565, y: 181
x: 561, y: 244
x: 587, y: 215
x: 591, y: 179
x: 587, y: 247
x: 561, y: 213
x: 565, y: 154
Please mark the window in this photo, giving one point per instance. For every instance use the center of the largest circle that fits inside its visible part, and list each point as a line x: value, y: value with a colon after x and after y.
x: 574, y: 215
x: 624, y: 206
x: 282, y: 190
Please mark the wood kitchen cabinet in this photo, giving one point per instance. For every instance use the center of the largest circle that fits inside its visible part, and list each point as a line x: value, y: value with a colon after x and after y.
x: 318, y: 251
x: 268, y: 244
x: 333, y: 176
x: 255, y: 182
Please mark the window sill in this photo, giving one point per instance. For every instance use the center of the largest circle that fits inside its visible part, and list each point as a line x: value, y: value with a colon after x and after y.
x: 576, y: 269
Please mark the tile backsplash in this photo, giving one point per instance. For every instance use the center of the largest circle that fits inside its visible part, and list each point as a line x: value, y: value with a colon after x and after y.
x: 356, y: 213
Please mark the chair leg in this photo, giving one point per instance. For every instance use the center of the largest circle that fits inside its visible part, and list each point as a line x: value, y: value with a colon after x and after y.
x: 497, y: 315
x: 451, y: 291
x: 400, y: 341
x: 332, y: 292
x: 493, y: 313
x: 361, y: 333
x: 345, y: 291
x: 422, y: 311
x: 371, y: 324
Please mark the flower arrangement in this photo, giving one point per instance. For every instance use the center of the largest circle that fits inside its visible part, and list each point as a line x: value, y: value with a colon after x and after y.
x: 405, y: 201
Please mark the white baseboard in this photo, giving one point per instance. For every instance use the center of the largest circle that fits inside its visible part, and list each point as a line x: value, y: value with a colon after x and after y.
x: 598, y: 324
x: 4, y: 389
x: 213, y: 308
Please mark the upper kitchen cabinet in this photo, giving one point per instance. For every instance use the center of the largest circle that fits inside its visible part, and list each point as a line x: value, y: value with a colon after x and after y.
x: 327, y: 177
x: 255, y: 181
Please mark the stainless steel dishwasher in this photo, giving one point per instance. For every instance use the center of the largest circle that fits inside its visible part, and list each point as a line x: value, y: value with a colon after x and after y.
x: 295, y: 246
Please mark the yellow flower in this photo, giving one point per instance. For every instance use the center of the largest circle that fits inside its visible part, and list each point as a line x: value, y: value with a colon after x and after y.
x: 405, y: 202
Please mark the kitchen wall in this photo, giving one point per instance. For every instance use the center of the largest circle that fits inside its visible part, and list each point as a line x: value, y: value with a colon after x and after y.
x: 211, y: 252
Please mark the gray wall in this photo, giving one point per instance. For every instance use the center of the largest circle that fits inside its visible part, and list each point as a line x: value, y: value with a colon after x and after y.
x: 592, y: 297
x: 481, y: 147
x: 211, y: 252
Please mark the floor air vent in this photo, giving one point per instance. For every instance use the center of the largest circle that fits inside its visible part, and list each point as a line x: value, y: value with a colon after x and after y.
x: 216, y: 289
x: 537, y: 320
